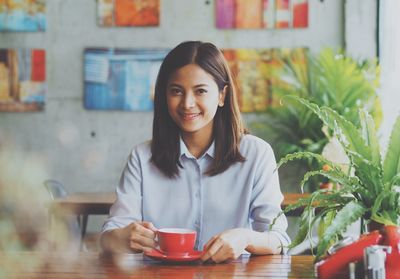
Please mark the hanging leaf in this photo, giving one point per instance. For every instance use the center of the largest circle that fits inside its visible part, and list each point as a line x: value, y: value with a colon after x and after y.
x: 350, y: 213
x: 391, y: 165
x: 369, y: 133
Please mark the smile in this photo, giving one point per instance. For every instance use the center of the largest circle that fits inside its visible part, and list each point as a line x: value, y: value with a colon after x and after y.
x: 190, y: 116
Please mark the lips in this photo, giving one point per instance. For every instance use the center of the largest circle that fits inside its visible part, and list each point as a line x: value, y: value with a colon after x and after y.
x: 189, y: 116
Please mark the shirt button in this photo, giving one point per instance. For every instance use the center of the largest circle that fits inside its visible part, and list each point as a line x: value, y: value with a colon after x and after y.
x: 197, y: 195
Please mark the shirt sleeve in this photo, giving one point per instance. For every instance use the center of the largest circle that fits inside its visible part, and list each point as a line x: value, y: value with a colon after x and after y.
x: 267, y: 198
x: 128, y: 205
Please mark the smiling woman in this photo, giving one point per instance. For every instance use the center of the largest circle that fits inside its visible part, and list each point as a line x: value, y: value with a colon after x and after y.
x: 193, y: 98
x: 201, y: 171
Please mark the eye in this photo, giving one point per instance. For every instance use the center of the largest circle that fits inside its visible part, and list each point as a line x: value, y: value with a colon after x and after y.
x: 175, y: 91
x: 201, y: 91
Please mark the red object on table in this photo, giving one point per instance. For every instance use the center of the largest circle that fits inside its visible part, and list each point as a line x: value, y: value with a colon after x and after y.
x: 392, y: 239
x: 337, y: 264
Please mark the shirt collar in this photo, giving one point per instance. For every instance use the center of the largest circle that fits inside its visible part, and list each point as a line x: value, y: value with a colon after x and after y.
x: 185, y: 151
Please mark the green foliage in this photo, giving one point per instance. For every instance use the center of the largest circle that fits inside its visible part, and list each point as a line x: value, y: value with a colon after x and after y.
x: 328, y: 79
x: 391, y: 166
x: 369, y: 191
x: 344, y: 217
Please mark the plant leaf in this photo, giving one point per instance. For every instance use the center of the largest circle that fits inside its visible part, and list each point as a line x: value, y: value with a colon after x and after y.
x: 369, y: 133
x: 348, y: 135
x: 304, y: 227
x: 326, y: 221
x: 341, y: 126
x: 391, y: 165
x: 395, y: 181
x: 369, y: 174
x: 346, y: 216
x: 386, y: 218
x: 333, y: 175
x: 386, y: 208
x: 306, y: 155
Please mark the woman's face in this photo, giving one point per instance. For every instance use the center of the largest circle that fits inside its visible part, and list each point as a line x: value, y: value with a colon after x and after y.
x: 193, y: 98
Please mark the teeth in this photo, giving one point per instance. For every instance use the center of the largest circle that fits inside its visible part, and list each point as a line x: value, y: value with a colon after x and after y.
x: 190, y: 116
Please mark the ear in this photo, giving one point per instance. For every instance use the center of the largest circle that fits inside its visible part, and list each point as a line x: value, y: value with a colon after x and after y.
x: 222, y: 96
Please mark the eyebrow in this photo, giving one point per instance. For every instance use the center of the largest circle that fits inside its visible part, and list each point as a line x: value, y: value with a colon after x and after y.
x: 201, y: 85
x: 196, y: 86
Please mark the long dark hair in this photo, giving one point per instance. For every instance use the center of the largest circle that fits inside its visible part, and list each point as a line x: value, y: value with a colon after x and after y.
x: 228, y: 126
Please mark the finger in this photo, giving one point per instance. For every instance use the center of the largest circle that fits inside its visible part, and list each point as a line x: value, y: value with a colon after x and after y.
x: 136, y: 247
x: 223, y: 254
x: 142, y: 230
x: 143, y: 240
x: 150, y: 226
x: 212, y: 250
x: 212, y: 239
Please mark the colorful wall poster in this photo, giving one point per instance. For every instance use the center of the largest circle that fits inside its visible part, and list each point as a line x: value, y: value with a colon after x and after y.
x: 282, y: 14
x: 258, y: 14
x: 128, y: 12
x: 300, y: 13
x: 121, y: 79
x: 22, y: 79
x: 250, y: 15
x: 23, y: 15
x: 259, y: 74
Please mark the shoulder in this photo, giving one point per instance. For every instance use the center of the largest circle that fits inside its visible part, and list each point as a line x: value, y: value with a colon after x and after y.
x: 251, y: 146
x: 141, y: 150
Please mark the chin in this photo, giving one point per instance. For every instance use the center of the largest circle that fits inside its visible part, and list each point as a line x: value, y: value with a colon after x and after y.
x: 188, y: 130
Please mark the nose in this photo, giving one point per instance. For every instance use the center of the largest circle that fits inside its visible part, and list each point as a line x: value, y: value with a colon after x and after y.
x: 189, y: 100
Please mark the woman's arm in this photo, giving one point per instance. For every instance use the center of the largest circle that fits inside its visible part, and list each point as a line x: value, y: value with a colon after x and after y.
x: 230, y: 244
x: 136, y: 238
x: 261, y: 243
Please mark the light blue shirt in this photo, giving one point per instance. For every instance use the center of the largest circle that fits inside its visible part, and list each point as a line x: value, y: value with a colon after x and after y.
x: 246, y: 195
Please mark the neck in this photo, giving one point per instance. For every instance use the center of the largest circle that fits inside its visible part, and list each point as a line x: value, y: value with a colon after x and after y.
x: 197, y: 143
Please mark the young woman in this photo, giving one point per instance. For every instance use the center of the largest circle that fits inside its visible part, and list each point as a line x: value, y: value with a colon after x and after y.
x: 201, y: 170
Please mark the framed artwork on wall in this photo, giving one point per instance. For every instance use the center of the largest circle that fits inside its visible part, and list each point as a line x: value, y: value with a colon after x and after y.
x: 121, y: 79
x: 259, y: 74
x: 22, y: 80
x: 261, y: 14
x: 128, y: 13
x: 23, y: 15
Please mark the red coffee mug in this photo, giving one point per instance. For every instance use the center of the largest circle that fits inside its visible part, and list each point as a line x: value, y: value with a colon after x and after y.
x: 175, y: 241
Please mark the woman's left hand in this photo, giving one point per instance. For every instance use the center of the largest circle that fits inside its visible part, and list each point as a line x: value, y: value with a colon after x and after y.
x: 228, y: 245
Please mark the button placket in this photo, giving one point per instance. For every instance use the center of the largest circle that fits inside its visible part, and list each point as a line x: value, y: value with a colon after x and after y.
x: 197, y: 195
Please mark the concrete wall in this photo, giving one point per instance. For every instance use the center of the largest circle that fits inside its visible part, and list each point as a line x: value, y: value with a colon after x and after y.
x: 360, y: 28
x: 390, y: 65
x: 87, y: 149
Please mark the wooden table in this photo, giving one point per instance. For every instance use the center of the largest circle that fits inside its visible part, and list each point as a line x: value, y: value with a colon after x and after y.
x: 83, y: 204
x: 91, y: 265
x: 99, y: 203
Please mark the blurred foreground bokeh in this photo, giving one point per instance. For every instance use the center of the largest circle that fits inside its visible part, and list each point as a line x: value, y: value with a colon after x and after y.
x: 25, y: 224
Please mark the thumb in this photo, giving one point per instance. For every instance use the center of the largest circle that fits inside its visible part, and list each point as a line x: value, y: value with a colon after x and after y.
x: 150, y: 226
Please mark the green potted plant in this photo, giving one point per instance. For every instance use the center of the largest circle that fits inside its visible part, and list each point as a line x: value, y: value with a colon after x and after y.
x: 328, y: 79
x: 369, y: 187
